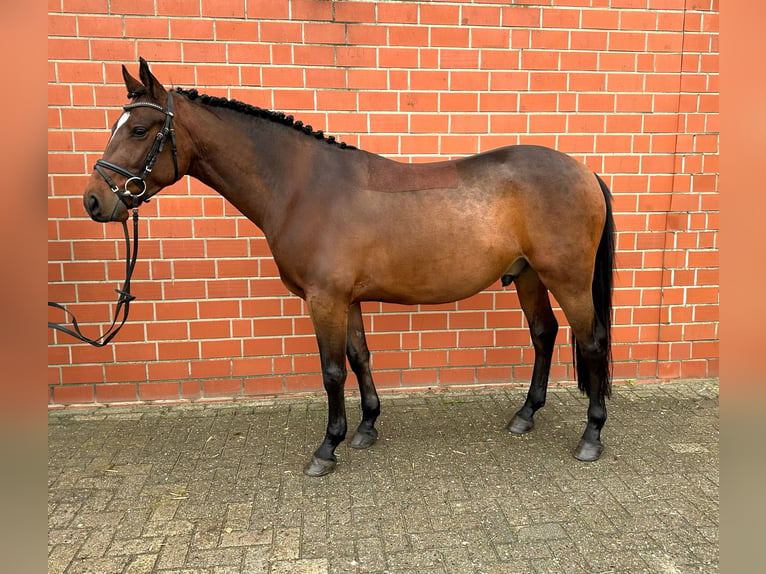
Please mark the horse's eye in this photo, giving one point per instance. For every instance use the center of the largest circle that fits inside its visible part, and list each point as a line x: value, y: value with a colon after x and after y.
x: 138, y: 131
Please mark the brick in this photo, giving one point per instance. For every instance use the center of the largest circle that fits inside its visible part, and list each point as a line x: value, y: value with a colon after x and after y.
x: 428, y: 80
x: 627, y: 41
x: 220, y: 368
x: 596, y: 102
x: 310, y: 10
x: 344, y: 122
x: 428, y: 123
x: 469, y: 123
x: 62, y: 25
x: 145, y: 7
x: 264, y: 386
x: 293, y: 99
x: 419, y: 101
x: 79, y: 72
x: 282, y: 77
x: 355, y: 56
x: 398, y: 13
x: 550, y: 39
x: 191, y: 29
x: 314, y: 56
x: 517, y: 16
x: 239, y: 30
x: 561, y: 18
x: 75, y: 394
x: 468, y: 59
x: 407, y: 36
x: 547, y: 123
x: 419, y: 145
x: 436, y: 14
x: 355, y: 12
x: 579, y: 62
x: 590, y: 41
x: 369, y: 35
x: 116, y: 393
x: 367, y: 79
x: 280, y: 32
x: 468, y: 81
x: 223, y: 8
x: 324, y: 33
x: 98, y: 26
x: 398, y: 57
x: 638, y: 20
x: 219, y: 387
x: 380, y: 144
x: 490, y: 38
x: 539, y: 60
x: 448, y: 37
x: 147, y: 27
x: 336, y: 101
x: 159, y: 51
x: 420, y: 377
x: 480, y: 15
x: 389, y: 123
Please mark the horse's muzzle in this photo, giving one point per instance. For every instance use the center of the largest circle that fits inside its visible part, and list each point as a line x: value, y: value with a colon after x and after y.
x: 103, y: 210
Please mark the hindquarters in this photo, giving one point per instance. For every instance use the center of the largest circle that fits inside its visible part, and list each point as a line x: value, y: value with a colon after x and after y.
x: 568, y: 242
x: 583, y: 288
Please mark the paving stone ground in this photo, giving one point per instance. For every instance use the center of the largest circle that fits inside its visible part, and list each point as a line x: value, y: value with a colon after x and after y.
x: 218, y: 488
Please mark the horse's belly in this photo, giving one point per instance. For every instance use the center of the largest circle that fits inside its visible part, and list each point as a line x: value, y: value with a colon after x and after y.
x: 432, y: 282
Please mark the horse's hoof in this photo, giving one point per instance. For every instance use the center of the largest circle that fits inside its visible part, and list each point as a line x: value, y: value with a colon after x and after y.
x: 364, y: 439
x: 319, y: 467
x: 520, y: 425
x: 588, y: 451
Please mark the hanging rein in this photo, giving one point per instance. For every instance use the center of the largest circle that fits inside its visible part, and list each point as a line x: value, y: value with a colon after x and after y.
x: 131, y: 201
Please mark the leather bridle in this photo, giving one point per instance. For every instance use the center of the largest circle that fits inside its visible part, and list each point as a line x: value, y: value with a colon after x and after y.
x: 132, y: 201
x: 166, y: 132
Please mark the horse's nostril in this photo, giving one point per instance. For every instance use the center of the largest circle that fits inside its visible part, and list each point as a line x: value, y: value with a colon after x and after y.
x: 93, y: 204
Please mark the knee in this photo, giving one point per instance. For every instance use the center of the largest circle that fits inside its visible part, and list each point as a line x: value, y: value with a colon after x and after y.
x: 334, y: 376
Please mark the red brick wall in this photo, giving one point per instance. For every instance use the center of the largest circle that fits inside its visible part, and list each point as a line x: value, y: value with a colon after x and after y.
x: 628, y: 86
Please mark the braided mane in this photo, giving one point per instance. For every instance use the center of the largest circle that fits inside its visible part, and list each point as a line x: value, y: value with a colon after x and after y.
x: 272, y: 116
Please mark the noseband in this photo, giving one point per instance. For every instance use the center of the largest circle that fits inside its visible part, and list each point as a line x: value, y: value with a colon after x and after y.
x: 133, y: 200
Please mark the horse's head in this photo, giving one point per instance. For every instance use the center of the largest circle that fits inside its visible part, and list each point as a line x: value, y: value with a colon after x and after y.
x: 141, y: 157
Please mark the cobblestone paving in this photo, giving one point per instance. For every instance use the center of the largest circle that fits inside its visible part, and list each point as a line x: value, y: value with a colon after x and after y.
x: 218, y: 488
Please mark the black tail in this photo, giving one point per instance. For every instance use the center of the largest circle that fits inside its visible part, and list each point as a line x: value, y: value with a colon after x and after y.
x: 603, y: 281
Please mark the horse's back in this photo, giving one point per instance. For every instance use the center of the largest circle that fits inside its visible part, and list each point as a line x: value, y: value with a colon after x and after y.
x: 502, y: 171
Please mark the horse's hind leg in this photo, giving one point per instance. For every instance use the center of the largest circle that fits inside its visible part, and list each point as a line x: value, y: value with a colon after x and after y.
x: 592, y: 351
x: 543, y: 327
x: 359, y: 359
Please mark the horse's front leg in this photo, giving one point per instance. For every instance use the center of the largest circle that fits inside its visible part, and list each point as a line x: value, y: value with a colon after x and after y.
x: 330, y: 318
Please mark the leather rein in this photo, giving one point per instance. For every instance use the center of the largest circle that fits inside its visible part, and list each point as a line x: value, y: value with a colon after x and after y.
x: 132, y: 201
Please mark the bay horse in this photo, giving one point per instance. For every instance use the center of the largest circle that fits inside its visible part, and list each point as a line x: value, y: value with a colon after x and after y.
x: 346, y: 226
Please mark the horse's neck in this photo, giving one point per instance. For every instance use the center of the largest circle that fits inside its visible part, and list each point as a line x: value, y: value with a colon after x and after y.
x: 245, y: 159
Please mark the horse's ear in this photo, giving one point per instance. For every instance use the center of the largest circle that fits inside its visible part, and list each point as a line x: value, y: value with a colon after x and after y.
x: 151, y: 83
x: 135, y: 88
